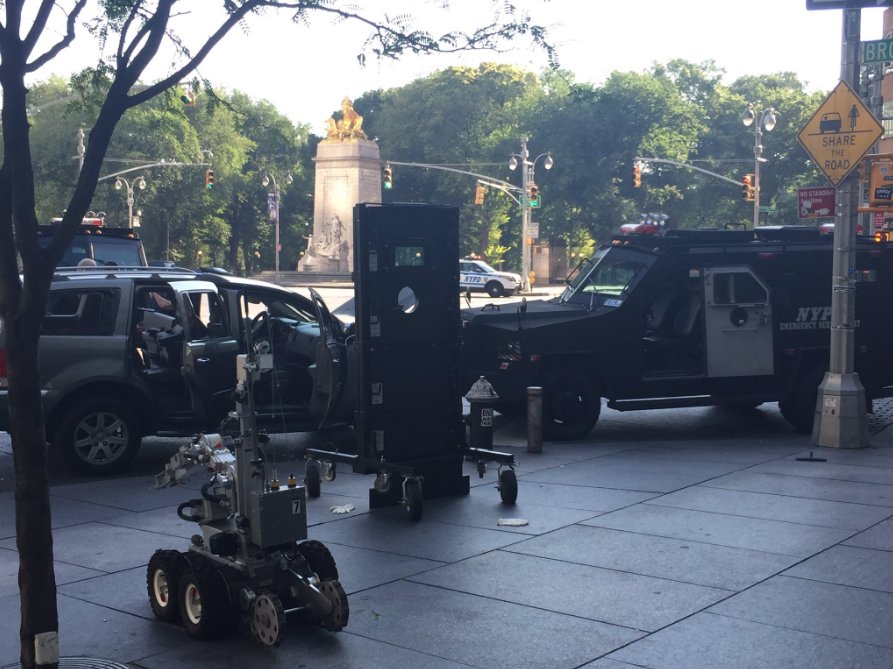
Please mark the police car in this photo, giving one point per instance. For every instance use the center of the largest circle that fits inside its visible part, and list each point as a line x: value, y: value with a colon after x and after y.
x: 478, y: 275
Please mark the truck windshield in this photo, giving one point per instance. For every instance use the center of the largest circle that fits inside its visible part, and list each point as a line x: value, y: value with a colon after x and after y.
x: 612, y: 275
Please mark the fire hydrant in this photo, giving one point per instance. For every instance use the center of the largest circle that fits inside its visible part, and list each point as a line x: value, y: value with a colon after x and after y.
x: 482, y: 398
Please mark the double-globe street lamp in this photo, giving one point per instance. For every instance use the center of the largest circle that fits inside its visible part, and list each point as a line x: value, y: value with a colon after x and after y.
x: 764, y: 119
x: 121, y: 182
x: 273, y: 211
x: 528, y: 183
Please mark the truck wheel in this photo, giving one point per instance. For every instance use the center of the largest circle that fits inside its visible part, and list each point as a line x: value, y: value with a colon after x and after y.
x: 494, y: 289
x: 799, y: 408
x: 571, y: 405
x: 98, y: 436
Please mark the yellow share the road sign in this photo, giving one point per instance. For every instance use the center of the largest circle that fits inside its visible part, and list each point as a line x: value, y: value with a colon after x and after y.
x: 840, y: 133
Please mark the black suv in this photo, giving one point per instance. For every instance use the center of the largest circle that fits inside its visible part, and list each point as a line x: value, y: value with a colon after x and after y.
x: 126, y: 353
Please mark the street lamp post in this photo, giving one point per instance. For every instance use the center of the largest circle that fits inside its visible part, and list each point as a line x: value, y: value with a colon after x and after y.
x: 764, y: 119
x: 121, y: 182
x: 528, y: 168
x: 273, y: 211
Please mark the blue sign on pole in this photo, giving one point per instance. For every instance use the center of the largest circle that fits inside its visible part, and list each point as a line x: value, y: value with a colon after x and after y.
x: 271, y: 207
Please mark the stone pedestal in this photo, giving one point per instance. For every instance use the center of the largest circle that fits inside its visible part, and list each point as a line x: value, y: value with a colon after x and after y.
x: 347, y: 172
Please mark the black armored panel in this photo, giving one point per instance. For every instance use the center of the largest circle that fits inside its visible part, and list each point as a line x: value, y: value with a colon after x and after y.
x: 409, y: 412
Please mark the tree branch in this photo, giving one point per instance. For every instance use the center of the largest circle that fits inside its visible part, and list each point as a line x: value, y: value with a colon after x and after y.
x: 38, y: 27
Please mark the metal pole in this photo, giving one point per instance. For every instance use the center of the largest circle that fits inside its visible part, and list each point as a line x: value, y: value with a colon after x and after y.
x: 757, y: 154
x: 534, y: 419
x: 525, y: 217
x: 841, y: 420
x: 276, y: 191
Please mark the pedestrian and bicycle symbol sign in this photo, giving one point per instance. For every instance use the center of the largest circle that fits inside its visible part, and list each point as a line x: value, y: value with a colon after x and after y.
x: 840, y: 133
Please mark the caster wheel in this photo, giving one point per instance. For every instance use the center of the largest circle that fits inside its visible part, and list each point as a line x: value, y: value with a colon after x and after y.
x: 382, y: 483
x: 412, y: 499
x: 312, y: 478
x: 328, y: 471
x: 508, y: 486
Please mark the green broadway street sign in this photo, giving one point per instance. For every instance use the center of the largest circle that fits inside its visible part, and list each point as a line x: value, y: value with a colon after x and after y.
x: 877, y: 51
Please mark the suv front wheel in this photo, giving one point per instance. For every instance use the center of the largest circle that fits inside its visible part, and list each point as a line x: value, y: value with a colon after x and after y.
x: 98, y: 436
x: 494, y: 289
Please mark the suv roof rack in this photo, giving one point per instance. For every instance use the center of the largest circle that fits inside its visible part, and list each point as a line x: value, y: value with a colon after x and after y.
x: 66, y: 273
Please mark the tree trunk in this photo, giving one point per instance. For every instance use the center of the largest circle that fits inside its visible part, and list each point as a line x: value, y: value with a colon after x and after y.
x: 34, y: 538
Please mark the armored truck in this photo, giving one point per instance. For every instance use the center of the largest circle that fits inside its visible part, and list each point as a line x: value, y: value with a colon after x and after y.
x: 690, y: 318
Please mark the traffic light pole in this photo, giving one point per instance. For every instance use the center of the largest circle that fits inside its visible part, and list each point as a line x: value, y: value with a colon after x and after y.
x: 525, y: 215
x: 757, y: 159
x: 841, y: 420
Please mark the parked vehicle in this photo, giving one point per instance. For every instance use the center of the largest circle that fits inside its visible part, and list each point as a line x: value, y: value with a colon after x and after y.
x: 478, y: 275
x: 693, y: 318
x: 104, y: 245
x: 126, y: 353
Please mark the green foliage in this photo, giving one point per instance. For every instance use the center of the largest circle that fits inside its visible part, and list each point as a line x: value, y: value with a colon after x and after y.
x: 469, y: 119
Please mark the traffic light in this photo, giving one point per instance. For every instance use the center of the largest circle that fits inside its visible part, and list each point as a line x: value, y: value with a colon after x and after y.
x: 637, y: 175
x: 533, y: 195
x: 747, y: 188
x: 387, y: 179
x: 209, y: 179
x: 479, y: 195
x: 188, y: 98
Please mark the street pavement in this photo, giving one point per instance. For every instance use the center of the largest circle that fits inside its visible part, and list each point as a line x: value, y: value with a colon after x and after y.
x: 700, y: 538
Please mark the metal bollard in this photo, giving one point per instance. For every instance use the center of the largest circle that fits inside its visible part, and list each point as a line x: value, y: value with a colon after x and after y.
x: 534, y: 419
x: 482, y: 397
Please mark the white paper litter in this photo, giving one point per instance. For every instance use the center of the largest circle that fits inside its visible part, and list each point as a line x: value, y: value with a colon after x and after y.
x: 512, y: 522
x: 342, y: 508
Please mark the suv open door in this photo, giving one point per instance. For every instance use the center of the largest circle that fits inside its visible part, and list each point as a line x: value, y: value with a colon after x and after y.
x: 329, y: 368
x: 209, y: 350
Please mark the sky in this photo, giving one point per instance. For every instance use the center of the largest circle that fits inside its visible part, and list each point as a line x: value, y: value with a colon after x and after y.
x: 305, y: 70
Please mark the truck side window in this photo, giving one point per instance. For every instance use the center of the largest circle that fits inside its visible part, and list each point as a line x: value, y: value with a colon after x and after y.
x: 737, y: 288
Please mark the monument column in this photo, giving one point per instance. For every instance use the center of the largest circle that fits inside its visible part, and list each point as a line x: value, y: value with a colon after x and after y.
x: 348, y: 172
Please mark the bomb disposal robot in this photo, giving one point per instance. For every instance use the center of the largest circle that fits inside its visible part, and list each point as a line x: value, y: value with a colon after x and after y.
x: 251, y: 564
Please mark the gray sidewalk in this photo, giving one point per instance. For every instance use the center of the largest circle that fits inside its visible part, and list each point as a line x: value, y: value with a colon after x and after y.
x: 674, y: 539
